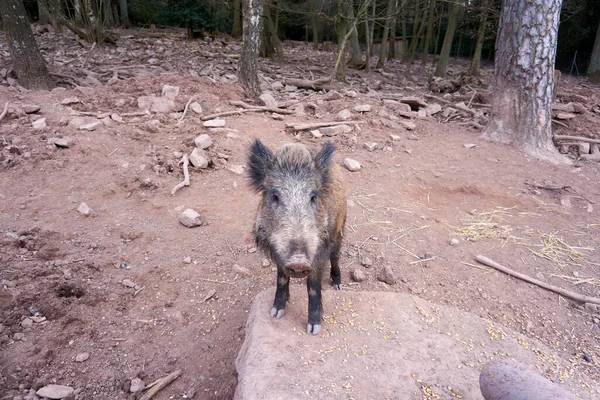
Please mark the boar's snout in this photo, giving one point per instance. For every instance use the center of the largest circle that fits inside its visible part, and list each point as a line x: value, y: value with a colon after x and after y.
x: 297, y: 266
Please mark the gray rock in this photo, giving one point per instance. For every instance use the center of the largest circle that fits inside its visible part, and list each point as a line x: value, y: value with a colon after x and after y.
x: 560, y: 107
x: 415, y: 103
x: 81, y: 357
x: 316, y: 134
x: 162, y: 105
x: 203, y: 141
x: 241, y: 270
x: 422, y: 113
x: 358, y: 275
x: 343, y: 115
x: 395, y: 137
x: 59, y: 142
x: 91, y: 126
x: 332, y: 95
x: 170, y: 92
x: 31, y: 108
x: 236, y: 169
x: 39, y: 124
x: 268, y: 100
x: 214, y: 123
x: 116, y: 117
x: 409, y: 125
x: 396, y: 105
x: 187, y: 260
x: 84, y: 209
x: 362, y: 108
x: 128, y: 283
x: 335, y: 130
x: 565, y: 116
x: 70, y: 100
x: 136, y: 385
x: 266, y: 262
x: 277, y: 85
x: 191, y: 218
x: 387, y: 275
x: 145, y: 102
x: 27, y: 323
x: 19, y: 336
x: 351, y: 164
x: 370, y: 146
x: 277, y: 117
x: 55, y: 391
x: 433, y: 109
x: 366, y: 262
x: 454, y: 242
x: 199, y: 158
x: 196, y: 107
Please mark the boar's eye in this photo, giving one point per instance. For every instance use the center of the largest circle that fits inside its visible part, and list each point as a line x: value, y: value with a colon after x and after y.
x: 313, y: 197
x: 274, y: 197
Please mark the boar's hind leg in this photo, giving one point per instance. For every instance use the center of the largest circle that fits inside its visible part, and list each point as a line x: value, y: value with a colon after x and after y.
x: 282, y: 295
x: 336, y: 276
x: 315, y: 308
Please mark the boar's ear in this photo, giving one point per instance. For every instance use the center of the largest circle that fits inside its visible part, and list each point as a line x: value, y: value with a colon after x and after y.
x: 323, y: 161
x: 260, y: 159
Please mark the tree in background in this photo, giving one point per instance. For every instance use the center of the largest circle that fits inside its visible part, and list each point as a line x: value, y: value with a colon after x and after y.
x: 248, y: 66
x: 442, y: 65
x: 236, y: 30
x: 521, y: 112
x: 27, y: 60
x: 383, y: 48
x: 594, y: 68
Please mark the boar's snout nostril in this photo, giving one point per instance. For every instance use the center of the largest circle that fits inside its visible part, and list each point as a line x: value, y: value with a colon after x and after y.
x: 297, y: 270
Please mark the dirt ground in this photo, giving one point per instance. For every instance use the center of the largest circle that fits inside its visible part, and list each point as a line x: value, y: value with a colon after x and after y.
x: 411, y: 198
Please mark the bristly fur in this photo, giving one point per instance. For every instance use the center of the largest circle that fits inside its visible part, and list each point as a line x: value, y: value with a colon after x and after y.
x: 260, y: 158
x: 323, y: 161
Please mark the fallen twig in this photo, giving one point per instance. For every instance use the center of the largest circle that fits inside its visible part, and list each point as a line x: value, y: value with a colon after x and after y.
x: 186, y: 175
x: 156, y: 386
x: 567, y: 293
x: 215, y: 281
x: 185, y: 109
x: 319, y: 84
x: 136, y: 114
x: 261, y: 108
x: 438, y: 99
x: 305, y: 127
x: 5, y: 111
x: 88, y: 55
x: 225, y: 113
x: 577, y: 138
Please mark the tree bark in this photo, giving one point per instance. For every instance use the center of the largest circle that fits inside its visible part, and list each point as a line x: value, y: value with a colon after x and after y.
x: 429, y: 32
x: 355, y: 53
x: 521, y: 112
x: 341, y: 31
x: 43, y: 14
x: 124, y: 13
x: 372, y: 27
x: 386, y: 30
x: 27, y: 60
x: 475, y: 61
x: 442, y: 65
x: 594, y: 67
x: 236, y: 30
x: 248, y: 66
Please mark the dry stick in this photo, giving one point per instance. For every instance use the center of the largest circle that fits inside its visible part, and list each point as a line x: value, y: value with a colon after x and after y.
x: 304, y: 127
x: 161, y: 383
x: 577, y: 138
x: 564, y: 292
x: 88, y: 55
x: 185, y: 109
x: 186, y: 175
x: 439, y: 99
x: 560, y: 123
x: 261, y: 108
x: 225, y: 113
x: 5, y: 111
x: 136, y: 114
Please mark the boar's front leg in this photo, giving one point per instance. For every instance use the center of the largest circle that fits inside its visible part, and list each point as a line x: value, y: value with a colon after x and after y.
x: 315, y: 308
x: 282, y: 295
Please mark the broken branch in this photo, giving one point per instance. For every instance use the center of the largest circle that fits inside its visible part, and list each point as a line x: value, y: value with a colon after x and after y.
x: 578, y: 138
x: 319, y: 84
x: 305, y: 127
x: 156, y: 386
x: 5, y: 111
x: 186, y: 175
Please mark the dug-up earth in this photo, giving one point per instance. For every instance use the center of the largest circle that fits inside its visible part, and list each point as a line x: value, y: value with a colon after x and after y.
x: 103, y: 290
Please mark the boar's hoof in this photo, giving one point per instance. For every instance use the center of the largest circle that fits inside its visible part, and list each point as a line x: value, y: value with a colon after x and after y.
x: 337, y: 286
x: 277, y: 313
x: 297, y: 270
x: 314, y: 329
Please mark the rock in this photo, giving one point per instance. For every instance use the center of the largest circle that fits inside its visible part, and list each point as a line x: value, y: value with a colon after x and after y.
x: 454, y: 242
x: 170, y: 92
x: 396, y: 105
x: 565, y: 116
x: 433, y: 109
x: 91, y: 126
x: 196, y: 107
x: 27, y: 323
x: 145, y: 102
x: 203, y: 141
x: 316, y: 134
x: 592, y: 307
x: 81, y: 357
x: 277, y: 117
x: 70, y: 100
x: 409, y: 125
x: 335, y: 130
x: 236, y: 169
x: 579, y: 109
x: 268, y: 100
x: 469, y: 145
x: 350, y: 93
x: 343, y: 115
x: 136, y: 385
x: 31, y: 108
x: 187, y: 260
x: 561, y: 107
x: 191, y: 218
x: 199, y: 158
x: 92, y: 80
x: 422, y: 114
x: 55, y: 391
x: 395, y: 138
x: 352, y: 165
x: 332, y: 95
x: 241, y: 270
x: 386, y: 275
x: 58, y: 142
x: 299, y: 109
x: 370, y: 146
x: 39, y: 124
x: 214, y: 123
x: 415, y: 103
x: 362, y: 108
x: 116, y: 117
x: 366, y: 262
x: 19, y: 336
x: 84, y: 209
x: 162, y: 105
x: 128, y: 283
x: 358, y: 275
x: 266, y: 263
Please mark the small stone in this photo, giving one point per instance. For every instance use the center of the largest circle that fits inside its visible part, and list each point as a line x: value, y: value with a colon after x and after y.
x: 116, y: 117
x: 362, y: 108
x: 84, y: 209
x: 565, y: 116
x: 241, y: 270
x: 268, y: 100
x: 454, y: 242
x: 433, y: 109
x: 187, y: 260
x: 565, y: 201
x: 19, y: 336
x: 416, y: 290
x: 350, y: 93
x: 277, y: 117
x: 395, y: 138
x: 203, y: 141
x: 58, y: 142
x: 352, y: 165
x: 214, y: 123
x: 27, y: 323
x: 70, y: 100
x: 170, y: 92
x: 55, y: 391
x: 91, y: 126
x: 332, y: 95
x: 386, y: 275
x: 128, y: 283
x: 409, y: 125
x: 252, y: 250
x: 422, y: 114
x: 358, y: 275
x: 236, y: 169
x: 316, y: 134
x: 31, y: 108
x: 145, y: 102
x: 196, y: 107
x: 343, y: 115
x: 397, y: 106
x: 39, y: 124
x: 366, y: 262
x: 412, y: 136
x: 162, y: 105
x: 469, y: 145
x: 414, y: 102
x: 199, y: 158
x: 136, y: 385
x: 266, y: 263
x: 587, y: 357
x: 191, y: 218
x: 81, y: 357
x: 370, y: 146
x: 335, y: 130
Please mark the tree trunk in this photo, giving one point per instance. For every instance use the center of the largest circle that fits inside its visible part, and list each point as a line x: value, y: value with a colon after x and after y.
x: 475, y: 61
x: 442, y: 65
x: 236, y: 30
x: 521, y: 112
x: 43, y: 14
x: 369, y: 44
x: 270, y: 43
x: 356, y: 55
x: 124, y: 13
x: 386, y: 30
x: 27, y: 60
x: 429, y: 32
x: 341, y: 31
x: 248, y: 66
x: 594, y: 67
x: 109, y: 19
x: 392, y: 34
x: 419, y: 32
x: 314, y: 24
x: 372, y: 27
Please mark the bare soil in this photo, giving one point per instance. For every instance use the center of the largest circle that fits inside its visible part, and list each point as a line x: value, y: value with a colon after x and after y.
x: 409, y: 200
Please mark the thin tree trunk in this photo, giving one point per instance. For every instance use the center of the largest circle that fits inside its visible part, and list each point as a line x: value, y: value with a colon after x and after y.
x: 415, y: 42
x: 392, y: 34
x: 341, y: 30
x: 369, y: 44
x: 594, y: 68
x: 27, y: 60
x: 43, y: 14
x: 248, y: 66
x: 403, y: 17
x: 429, y: 32
x: 372, y: 27
x: 475, y: 61
x: 521, y: 112
x: 236, y: 29
x: 314, y: 24
x: 386, y: 30
x: 437, y: 40
x: 356, y: 55
x: 442, y: 65
x: 124, y: 13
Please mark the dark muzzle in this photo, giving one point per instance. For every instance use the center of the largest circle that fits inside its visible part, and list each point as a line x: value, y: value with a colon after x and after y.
x: 297, y: 270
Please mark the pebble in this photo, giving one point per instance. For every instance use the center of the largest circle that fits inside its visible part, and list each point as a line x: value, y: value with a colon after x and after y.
x: 91, y: 126
x: 241, y: 270
x: 191, y: 218
x: 214, y: 123
x: 196, y: 107
x: 170, y: 92
x: 332, y: 95
x: 352, y: 165
x: 266, y: 262
x: 335, y: 130
x: 386, y: 275
x: 362, y: 108
x: 358, y: 275
x: 344, y: 115
x: 27, y: 323
x: 116, y: 117
x: 81, y: 357
x: 31, y: 108
x: 128, y: 283
x: 203, y: 141
x: 187, y: 260
x: 366, y: 262
x: 199, y: 158
x: 370, y: 146
x: 268, y: 100
x: 136, y: 385
x: 39, y: 124
x: 395, y: 137
x: 236, y: 169
x: 59, y: 142
x: 70, y: 100
x: 55, y: 391
x: 454, y: 242
x: 277, y: 117
x: 84, y: 209
x: 316, y: 134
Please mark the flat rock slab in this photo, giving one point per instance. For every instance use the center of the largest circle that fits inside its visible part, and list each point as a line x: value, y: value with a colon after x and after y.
x: 377, y: 345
